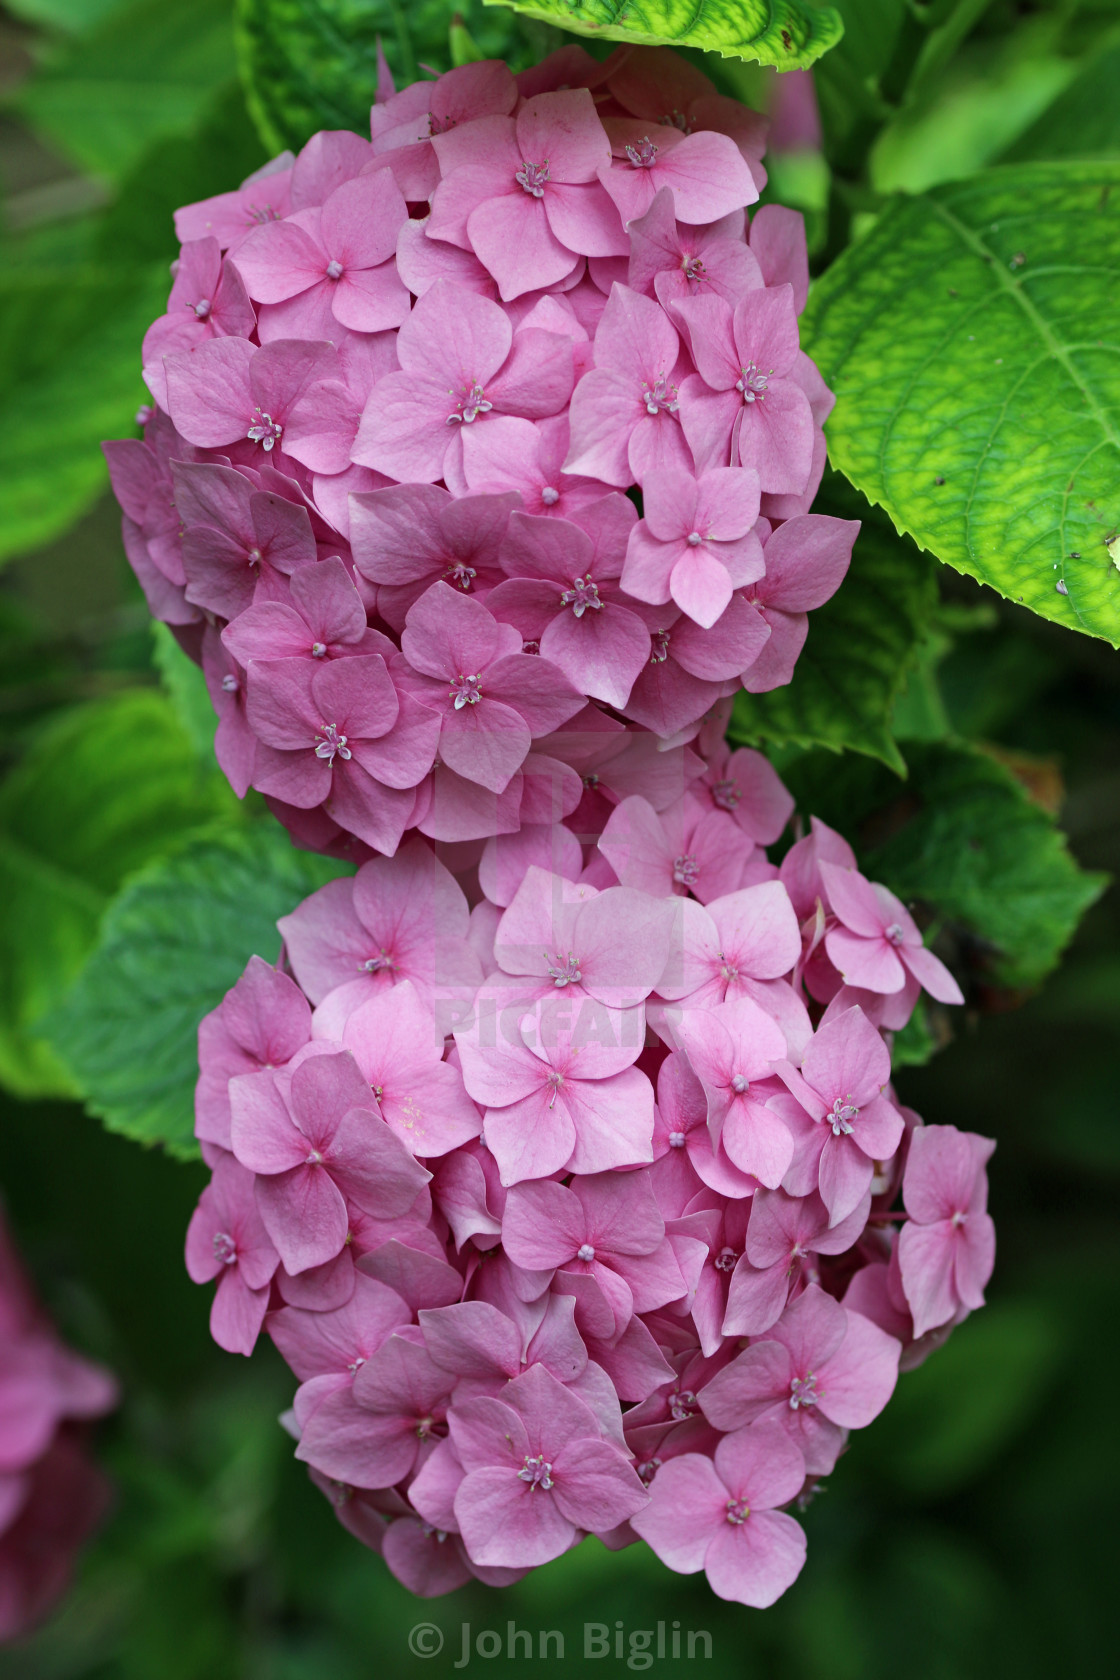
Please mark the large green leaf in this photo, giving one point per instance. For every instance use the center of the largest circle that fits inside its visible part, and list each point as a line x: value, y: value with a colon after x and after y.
x: 860, y: 648
x: 971, y: 338
x: 310, y: 64
x: 148, y: 70
x: 100, y: 791
x: 70, y: 372
x: 961, y: 838
x: 788, y: 34
x: 1083, y: 121
x: 172, y: 944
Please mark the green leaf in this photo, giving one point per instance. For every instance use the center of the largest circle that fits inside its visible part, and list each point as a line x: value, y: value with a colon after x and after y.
x: 1084, y: 120
x: 102, y: 789
x: 186, y: 688
x: 147, y: 71
x: 71, y: 16
x: 70, y: 371
x: 172, y: 944
x: 962, y: 838
x: 311, y: 64
x: 860, y: 647
x: 971, y: 338
x: 787, y: 34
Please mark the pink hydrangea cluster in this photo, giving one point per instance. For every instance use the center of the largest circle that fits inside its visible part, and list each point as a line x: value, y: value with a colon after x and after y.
x: 565, y: 1178
x: 463, y: 427
x: 51, y: 1494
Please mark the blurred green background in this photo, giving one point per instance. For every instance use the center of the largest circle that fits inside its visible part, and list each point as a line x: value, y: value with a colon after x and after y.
x: 970, y: 1531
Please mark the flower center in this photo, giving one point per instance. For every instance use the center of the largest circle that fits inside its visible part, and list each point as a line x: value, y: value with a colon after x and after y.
x: 676, y: 1140
x: 802, y: 1391
x: 550, y: 495
x: 377, y: 964
x: 694, y: 270
x: 740, y: 1084
x: 465, y: 691
x: 840, y: 1117
x: 334, y: 269
x: 556, y: 1080
x: 439, y: 1534
x: 676, y: 119
x: 460, y: 575
x: 424, y: 1428
x: 225, y: 1249
x: 201, y: 308
x: 585, y: 1252
x: 644, y: 154
x: 725, y: 1260
x: 647, y: 1470
x: 581, y: 595
x: 737, y: 1511
x: 439, y: 125
x: 694, y: 539
x: 659, y: 647
x: 469, y: 404
x: 230, y: 684
x: 262, y: 213
x: 318, y: 650
x: 682, y: 1404
x: 728, y: 971
x: 330, y: 744
x: 686, y: 870
x: 893, y: 933
x: 564, y: 973
x: 534, y: 177
x: 660, y: 397
x: 752, y: 382
x: 591, y: 781
x: 263, y: 429
x: 254, y: 557
x: 726, y: 795
x: 537, y: 1471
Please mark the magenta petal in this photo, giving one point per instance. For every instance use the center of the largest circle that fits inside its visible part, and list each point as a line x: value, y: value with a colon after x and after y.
x: 305, y: 1215
x: 755, y: 1562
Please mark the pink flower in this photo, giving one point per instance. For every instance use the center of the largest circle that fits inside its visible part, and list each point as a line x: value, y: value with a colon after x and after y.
x: 314, y: 1144
x: 562, y: 592
x: 672, y: 260
x: 706, y: 174
x: 731, y: 1047
x: 264, y: 196
x: 537, y: 1470
x: 553, y: 1102
x: 288, y: 394
x: 490, y: 698
x: 238, y: 534
x: 518, y: 455
x: 604, y: 1241
x: 747, y: 936
x: 324, y: 620
x: 336, y: 1343
x: 356, y: 938
x: 746, y: 784
x: 403, y: 125
x: 460, y: 362
x: 227, y: 1240
x: 394, y: 1040
x: 208, y: 300
x: 690, y: 669
x: 409, y: 536
x: 372, y: 1433
x: 777, y: 242
x: 662, y: 87
x: 522, y: 192
x: 784, y: 1232
x: 331, y: 265
x: 718, y: 1515
x: 744, y: 405
x: 577, y: 943
x: 845, y: 1124
x: 820, y: 1371
x: 683, y: 849
x: 624, y: 420
x: 695, y: 543
x: 261, y: 1022
x: 877, y: 942
x: 338, y: 733
x: 946, y: 1249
